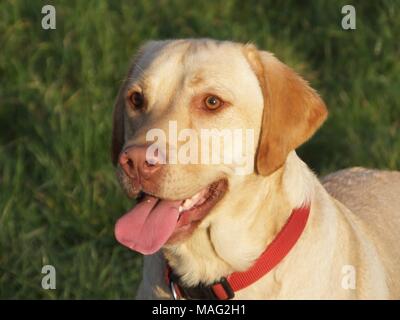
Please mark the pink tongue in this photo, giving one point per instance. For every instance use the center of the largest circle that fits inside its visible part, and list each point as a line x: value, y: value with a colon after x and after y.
x: 147, y: 227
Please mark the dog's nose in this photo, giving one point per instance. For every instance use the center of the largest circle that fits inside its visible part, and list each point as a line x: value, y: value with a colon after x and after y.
x: 135, y: 162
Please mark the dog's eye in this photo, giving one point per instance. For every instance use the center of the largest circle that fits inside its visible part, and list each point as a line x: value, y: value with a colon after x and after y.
x: 213, y: 102
x: 136, y: 99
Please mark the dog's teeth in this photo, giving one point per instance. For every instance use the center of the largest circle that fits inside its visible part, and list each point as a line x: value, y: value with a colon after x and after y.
x: 191, y: 202
x: 201, y: 201
x: 187, y: 204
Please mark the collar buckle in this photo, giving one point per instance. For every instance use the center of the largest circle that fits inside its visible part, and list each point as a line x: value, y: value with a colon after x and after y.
x: 219, y: 290
x: 227, y: 288
x: 174, y: 292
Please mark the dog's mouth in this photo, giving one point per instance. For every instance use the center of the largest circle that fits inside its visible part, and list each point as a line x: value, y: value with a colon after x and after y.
x: 153, y: 222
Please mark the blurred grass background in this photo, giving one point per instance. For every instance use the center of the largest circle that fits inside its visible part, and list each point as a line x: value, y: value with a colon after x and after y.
x: 58, y: 195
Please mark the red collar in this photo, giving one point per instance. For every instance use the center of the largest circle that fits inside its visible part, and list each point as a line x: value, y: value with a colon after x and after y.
x: 226, y: 287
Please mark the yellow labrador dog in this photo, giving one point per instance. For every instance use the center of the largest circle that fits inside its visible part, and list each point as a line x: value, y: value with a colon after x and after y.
x: 209, y: 230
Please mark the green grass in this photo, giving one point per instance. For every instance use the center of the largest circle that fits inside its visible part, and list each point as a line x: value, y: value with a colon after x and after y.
x: 58, y: 195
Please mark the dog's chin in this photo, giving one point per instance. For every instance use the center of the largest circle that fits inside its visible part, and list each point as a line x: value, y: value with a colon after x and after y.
x: 193, y: 210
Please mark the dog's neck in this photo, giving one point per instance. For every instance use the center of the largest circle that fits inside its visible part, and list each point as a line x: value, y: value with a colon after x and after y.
x: 234, y: 235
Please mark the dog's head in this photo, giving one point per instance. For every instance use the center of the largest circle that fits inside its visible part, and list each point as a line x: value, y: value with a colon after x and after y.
x: 194, y: 118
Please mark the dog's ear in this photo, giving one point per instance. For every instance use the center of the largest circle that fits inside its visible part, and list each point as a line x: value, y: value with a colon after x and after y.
x: 293, y: 111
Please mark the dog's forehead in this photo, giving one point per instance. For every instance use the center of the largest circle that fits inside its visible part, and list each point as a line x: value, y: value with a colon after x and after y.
x: 190, y: 60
